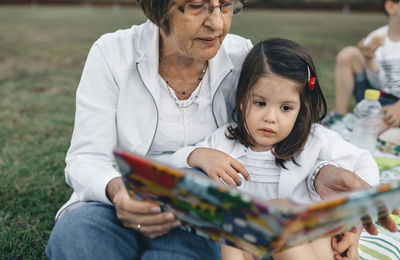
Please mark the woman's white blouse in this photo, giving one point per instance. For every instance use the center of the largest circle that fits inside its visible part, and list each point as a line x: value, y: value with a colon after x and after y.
x: 179, y: 127
x: 118, y: 104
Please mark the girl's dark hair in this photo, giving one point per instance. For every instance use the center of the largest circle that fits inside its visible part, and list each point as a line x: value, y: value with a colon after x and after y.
x: 289, y: 60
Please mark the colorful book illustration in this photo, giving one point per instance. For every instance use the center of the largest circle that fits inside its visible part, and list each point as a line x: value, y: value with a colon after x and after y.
x: 229, y: 216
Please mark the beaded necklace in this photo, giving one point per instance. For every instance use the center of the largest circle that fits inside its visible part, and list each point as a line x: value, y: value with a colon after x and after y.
x: 181, y: 106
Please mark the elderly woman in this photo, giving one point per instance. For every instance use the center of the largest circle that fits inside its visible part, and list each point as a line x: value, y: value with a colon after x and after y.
x: 153, y: 89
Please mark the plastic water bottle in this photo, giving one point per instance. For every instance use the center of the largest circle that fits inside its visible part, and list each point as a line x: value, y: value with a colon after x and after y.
x: 369, y: 117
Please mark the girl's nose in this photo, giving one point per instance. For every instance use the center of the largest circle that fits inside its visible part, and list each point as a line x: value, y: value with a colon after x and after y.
x: 270, y: 115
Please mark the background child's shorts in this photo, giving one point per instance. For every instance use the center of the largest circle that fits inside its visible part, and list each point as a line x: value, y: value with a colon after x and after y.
x: 361, y: 84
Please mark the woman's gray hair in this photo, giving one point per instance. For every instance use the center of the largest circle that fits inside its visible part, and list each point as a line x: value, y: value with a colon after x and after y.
x: 158, y: 11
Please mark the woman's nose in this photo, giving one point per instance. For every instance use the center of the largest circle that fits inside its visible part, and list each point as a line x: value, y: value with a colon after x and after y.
x: 215, y: 20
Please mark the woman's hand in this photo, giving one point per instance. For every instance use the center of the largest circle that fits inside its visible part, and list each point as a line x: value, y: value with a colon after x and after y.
x: 346, y: 244
x: 145, y: 217
x: 218, y: 165
x: 332, y: 180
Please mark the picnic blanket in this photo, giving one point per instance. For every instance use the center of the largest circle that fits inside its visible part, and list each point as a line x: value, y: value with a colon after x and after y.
x: 385, y: 245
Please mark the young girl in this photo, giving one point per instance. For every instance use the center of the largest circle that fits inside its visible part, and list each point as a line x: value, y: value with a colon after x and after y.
x: 277, y: 139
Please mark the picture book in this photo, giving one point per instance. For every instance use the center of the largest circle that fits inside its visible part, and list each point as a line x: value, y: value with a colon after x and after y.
x: 224, y: 214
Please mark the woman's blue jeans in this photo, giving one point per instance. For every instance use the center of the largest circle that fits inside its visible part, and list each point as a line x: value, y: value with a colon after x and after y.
x: 92, y: 231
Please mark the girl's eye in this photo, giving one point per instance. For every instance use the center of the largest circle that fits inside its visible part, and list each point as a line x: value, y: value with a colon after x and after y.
x: 260, y: 103
x: 286, y: 108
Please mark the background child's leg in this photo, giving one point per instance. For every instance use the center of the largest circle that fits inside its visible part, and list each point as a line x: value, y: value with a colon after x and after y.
x: 349, y: 62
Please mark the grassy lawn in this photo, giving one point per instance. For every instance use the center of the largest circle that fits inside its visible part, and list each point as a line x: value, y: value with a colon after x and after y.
x: 42, y: 54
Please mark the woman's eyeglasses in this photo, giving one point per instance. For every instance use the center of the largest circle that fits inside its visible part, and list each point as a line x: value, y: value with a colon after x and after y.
x: 203, y: 9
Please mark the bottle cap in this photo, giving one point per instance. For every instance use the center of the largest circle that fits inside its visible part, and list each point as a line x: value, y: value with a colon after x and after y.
x: 372, y: 94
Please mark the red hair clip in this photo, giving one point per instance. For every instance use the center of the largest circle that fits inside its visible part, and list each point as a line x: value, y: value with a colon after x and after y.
x: 311, y: 83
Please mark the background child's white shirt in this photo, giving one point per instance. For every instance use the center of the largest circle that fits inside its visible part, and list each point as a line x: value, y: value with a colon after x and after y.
x: 387, y: 57
x: 322, y: 145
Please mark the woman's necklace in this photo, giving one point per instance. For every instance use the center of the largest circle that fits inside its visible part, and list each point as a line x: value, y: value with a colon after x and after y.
x: 181, y: 105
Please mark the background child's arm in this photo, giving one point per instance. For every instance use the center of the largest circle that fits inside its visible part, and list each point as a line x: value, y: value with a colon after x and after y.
x: 368, y: 49
x: 217, y: 165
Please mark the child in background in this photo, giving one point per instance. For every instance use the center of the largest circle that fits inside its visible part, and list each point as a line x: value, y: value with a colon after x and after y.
x: 276, y: 137
x: 374, y: 63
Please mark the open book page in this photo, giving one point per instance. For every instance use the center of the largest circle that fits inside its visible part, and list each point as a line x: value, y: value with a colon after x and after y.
x: 235, y: 218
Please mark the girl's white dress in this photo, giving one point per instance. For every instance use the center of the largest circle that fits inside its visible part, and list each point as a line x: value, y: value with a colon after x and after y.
x: 268, y: 181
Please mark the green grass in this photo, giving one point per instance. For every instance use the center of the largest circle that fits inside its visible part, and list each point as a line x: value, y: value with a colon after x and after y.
x: 41, y: 58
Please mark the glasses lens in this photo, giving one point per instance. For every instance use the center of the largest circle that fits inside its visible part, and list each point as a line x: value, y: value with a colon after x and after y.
x: 227, y: 7
x: 195, y: 8
x: 237, y: 6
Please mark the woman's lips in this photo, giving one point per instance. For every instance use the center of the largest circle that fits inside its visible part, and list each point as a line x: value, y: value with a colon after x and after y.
x: 209, y: 41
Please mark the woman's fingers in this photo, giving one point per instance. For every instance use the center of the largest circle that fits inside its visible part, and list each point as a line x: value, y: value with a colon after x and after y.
x: 369, y: 225
x: 143, y: 216
x: 351, y: 254
x: 346, y: 244
x: 384, y: 219
x: 388, y: 223
x: 133, y: 220
x: 370, y: 228
x: 152, y: 225
x: 342, y: 245
x: 124, y: 203
x: 157, y: 230
x: 140, y: 207
x: 153, y: 219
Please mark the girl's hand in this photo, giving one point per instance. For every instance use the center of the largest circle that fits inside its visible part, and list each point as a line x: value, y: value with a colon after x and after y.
x: 144, y: 217
x: 346, y: 244
x: 218, y: 165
